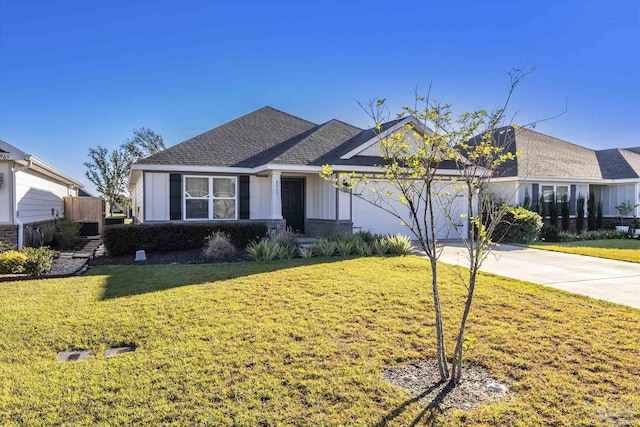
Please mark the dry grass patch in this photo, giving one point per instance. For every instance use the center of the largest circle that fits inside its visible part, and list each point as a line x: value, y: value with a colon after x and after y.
x: 619, y: 249
x: 301, y: 342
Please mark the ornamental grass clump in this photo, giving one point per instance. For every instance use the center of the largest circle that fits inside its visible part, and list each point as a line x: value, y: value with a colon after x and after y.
x: 363, y: 249
x: 398, y: 245
x: 264, y: 250
x: 218, y: 246
x: 324, y: 248
x: 380, y: 247
x: 305, y: 252
x: 346, y: 244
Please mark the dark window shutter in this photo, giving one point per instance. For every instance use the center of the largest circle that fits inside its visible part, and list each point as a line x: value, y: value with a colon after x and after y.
x: 244, y: 197
x: 535, y: 188
x: 175, y: 196
x: 572, y: 201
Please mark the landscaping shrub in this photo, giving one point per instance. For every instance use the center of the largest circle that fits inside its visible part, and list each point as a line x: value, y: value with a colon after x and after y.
x: 589, y: 235
x: 305, y: 252
x: 66, y: 235
x: 286, y: 252
x: 264, y: 250
x: 218, y: 246
x: 368, y: 237
x: 39, y: 260
x: 518, y: 225
x: 12, y: 262
x: 549, y: 233
x: 4, y: 247
x: 346, y: 243
x: 564, y: 212
x: 591, y: 212
x: 553, y: 210
x: 398, y: 245
x: 364, y: 249
x: 580, y: 214
x: 324, y: 248
x: 287, y: 238
x: 380, y: 247
x: 126, y: 239
x: 599, y: 219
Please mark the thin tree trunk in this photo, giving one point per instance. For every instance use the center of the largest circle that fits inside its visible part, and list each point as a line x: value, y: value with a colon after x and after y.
x: 441, y: 354
x: 456, y: 363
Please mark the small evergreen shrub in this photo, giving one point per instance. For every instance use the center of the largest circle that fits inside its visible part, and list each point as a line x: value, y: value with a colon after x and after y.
x: 599, y: 218
x: 126, y: 239
x: 518, y: 225
x: 363, y: 249
x: 12, y: 262
x: 306, y: 252
x: 549, y: 234
x: 591, y: 212
x: 398, y: 245
x: 580, y: 214
x: 380, y: 247
x: 324, y: 248
x: 368, y: 237
x: 565, y: 212
x: 286, y: 252
x: 264, y: 250
x: 218, y: 246
x: 66, y: 235
x: 4, y: 247
x: 39, y: 260
x: 553, y: 210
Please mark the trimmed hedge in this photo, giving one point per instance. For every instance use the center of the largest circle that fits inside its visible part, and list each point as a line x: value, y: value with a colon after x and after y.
x: 164, y: 237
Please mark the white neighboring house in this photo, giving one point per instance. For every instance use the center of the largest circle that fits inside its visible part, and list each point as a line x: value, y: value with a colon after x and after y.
x: 548, y: 165
x: 265, y: 167
x: 31, y: 196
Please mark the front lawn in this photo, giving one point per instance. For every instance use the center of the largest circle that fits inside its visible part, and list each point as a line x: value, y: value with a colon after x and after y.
x: 302, y: 342
x: 620, y: 249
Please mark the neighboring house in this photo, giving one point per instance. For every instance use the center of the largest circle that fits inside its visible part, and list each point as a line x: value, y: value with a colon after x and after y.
x: 548, y: 165
x: 265, y: 166
x: 31, y: 196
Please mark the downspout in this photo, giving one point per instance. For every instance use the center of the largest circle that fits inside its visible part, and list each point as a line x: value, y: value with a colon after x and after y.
x: 16, y: 220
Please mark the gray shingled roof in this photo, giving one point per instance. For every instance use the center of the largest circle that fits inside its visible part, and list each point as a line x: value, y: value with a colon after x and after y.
x: 244, y: 142
x: 266, y: 136
x: 614, y: 165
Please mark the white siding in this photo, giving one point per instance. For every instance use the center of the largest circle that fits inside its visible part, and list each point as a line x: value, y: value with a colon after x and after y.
x: 37, y: 195
x: 138, y: 198
x: 259, y: 197
x: 6, y: 207
x: 507, y: 192
x: 156, y: 196
x: 375, y: 219
x: 320, y: 199
x: 613, y: 195
x: 374, y: 150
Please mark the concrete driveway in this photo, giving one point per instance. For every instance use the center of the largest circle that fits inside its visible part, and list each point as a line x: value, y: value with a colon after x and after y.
x: 609, y: 280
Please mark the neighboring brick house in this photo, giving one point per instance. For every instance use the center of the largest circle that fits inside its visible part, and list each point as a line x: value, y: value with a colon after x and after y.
x: 31, y: 196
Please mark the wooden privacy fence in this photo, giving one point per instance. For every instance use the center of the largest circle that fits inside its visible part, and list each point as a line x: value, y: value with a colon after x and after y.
x: 79, y: 209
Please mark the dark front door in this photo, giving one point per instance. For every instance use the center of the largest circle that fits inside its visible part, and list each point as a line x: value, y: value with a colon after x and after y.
x: 293, y: 203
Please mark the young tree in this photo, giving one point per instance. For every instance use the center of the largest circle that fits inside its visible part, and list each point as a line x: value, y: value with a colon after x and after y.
x: 410, y: 187
x: 109, y: 171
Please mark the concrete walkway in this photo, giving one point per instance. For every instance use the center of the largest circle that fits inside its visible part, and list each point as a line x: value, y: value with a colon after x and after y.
x: 609, y: 280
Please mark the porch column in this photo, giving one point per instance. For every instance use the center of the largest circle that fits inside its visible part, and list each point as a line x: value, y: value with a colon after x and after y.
x: 276, y: 196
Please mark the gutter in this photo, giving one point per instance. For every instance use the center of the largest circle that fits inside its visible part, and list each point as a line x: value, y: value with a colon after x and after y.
x: 16, y: 220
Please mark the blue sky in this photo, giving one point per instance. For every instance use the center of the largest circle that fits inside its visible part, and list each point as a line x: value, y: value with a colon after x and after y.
x: 76, y: 74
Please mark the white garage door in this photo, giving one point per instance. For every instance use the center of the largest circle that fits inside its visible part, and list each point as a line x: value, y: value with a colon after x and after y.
x: 367, y: 217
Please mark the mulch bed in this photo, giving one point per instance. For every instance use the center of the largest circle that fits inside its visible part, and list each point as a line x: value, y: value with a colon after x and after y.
x: 191, y: 256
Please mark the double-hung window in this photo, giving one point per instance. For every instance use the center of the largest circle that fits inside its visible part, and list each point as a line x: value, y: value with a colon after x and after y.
x: 210, y: 197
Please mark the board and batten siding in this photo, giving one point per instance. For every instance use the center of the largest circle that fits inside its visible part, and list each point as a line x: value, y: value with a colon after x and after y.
x: 259, y: 197
x: 156, y: 196
x: 37, y: 195
x: 6, y: 209
x: 320, y: 199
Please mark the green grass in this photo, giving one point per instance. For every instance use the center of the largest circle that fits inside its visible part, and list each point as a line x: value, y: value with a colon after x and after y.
x: 620, y: 249
x: 302, y: 342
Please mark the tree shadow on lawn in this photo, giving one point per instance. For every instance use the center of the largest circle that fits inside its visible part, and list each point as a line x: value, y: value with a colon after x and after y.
x: 432, y: 409
x: 129, y: 280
